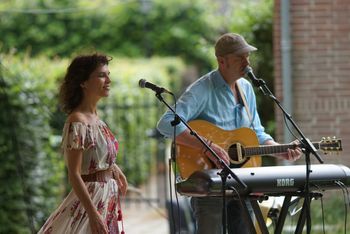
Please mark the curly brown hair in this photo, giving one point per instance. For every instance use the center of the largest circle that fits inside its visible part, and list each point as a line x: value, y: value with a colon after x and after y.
x: 80, y: 69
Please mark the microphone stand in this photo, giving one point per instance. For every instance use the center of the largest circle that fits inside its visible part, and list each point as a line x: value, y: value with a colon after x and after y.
x: 307, y: 145
x: 225, y: 172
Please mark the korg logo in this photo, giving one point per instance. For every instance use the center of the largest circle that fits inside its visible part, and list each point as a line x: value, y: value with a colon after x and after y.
x: 288, y: 182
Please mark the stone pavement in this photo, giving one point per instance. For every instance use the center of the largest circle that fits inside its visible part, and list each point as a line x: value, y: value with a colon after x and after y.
x: 144, y: 219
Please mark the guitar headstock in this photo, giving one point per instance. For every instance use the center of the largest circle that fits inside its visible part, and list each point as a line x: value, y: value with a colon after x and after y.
x: 330, y: 144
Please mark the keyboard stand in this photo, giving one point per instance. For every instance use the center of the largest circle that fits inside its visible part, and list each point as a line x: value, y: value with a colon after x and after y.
x: 253, y: 200
x: 287, y: 203
x: 284, y: 211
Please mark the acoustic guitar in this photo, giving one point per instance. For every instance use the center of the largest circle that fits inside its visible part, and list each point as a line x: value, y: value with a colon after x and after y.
x: 241, y: 144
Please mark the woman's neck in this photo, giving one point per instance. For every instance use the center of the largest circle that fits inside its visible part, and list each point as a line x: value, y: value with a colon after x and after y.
x: 88, y: 108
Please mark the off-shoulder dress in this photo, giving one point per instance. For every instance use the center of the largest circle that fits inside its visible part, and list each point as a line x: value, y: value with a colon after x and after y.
x: 99, y: 153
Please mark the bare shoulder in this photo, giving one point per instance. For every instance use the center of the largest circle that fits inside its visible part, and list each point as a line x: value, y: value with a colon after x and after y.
x: 76, y: 117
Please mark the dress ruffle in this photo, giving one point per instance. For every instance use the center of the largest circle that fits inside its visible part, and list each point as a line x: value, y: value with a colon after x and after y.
x: 97, y: 142
x: 70, y: 216
x: 77, y: 135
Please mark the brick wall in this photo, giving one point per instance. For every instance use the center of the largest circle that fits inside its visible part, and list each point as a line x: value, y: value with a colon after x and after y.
x: 320, y: 54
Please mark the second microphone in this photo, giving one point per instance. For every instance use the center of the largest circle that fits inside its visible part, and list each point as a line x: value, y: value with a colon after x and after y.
x: 145, y: 84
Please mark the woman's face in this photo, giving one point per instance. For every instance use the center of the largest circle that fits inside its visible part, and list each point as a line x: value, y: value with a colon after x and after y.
x: 98, y: 83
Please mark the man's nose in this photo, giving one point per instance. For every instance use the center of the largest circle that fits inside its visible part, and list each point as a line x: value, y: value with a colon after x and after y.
x: 246, y: 61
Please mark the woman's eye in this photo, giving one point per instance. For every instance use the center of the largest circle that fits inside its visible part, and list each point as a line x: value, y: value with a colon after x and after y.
x: 103, y: 74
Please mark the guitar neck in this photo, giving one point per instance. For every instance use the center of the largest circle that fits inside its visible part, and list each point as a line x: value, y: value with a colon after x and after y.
x: 272, y: 149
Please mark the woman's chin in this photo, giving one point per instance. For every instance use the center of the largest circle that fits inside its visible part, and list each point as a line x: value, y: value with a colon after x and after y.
x: 104, y: 95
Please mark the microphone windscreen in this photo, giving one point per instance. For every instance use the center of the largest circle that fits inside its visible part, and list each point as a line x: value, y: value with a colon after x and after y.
x: 142, y: 83
x: 247, y: 69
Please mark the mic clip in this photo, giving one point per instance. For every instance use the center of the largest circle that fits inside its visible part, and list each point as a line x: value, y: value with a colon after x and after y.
x: 176, y: 121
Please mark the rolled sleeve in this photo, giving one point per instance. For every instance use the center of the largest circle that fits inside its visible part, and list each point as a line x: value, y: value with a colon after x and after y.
x: 188, y: 107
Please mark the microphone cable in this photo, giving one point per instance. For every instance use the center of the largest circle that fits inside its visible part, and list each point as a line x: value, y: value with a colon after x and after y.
x: 172, y: 162
x: 322, y: 208
x: 346, y: 201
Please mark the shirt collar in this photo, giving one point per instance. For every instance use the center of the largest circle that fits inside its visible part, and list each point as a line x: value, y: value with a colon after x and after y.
x: 219, y: 81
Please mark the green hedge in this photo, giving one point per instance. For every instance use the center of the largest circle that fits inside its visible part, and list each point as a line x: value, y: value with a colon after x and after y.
x: 32, y: 174
x: 30, y: 168
x: 133, y: 112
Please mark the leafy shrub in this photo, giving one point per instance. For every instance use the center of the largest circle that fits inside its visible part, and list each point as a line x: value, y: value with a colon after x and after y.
x: 32, y: 175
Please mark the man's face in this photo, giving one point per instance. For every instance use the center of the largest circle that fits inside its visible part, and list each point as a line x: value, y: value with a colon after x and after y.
x: 235, y: 64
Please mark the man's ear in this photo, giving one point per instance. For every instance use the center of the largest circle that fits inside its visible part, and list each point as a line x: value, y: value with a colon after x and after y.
x: 221, y: 60
x: 82, y: 85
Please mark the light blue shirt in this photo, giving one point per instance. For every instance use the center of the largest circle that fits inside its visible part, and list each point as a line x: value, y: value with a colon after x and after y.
x: 210, y: 98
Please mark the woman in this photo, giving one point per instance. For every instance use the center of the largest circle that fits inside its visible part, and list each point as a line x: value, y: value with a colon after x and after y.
x: 89, y: 150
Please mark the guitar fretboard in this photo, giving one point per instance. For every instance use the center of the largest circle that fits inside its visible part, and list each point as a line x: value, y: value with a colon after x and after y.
x: 271, y: 149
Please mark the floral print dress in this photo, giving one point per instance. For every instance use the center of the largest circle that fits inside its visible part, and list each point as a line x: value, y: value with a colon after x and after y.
x: 99, y: 151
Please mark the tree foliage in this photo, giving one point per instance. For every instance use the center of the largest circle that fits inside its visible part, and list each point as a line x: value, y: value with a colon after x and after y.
x: 126, y: 28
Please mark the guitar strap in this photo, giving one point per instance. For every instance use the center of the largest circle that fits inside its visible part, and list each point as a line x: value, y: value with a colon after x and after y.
x: 242, y: 100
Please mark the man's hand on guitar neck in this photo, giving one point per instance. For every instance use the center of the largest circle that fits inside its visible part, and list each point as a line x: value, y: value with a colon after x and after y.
x: 291, y: 154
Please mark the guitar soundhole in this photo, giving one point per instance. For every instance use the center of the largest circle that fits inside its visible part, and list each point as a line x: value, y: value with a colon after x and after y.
x: 233, y: 153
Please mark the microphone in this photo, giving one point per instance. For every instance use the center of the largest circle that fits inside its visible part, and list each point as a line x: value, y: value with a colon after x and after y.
x: 145, y: 84
x: 248, y: 71
x: 259, y: 83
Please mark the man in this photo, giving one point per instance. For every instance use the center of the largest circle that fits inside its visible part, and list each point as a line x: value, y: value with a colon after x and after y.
x: 214, y: 98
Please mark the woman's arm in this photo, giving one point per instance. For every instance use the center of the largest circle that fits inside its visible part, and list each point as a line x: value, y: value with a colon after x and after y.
x: 119, y: 176
x: 74, y: 160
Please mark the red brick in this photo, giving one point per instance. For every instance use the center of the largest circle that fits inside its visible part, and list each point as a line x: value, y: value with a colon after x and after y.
x: 320, y: 34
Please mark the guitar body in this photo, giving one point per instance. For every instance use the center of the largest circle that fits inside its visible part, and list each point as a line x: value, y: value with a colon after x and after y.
x: 190, y: 160
x: 241, y: 145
